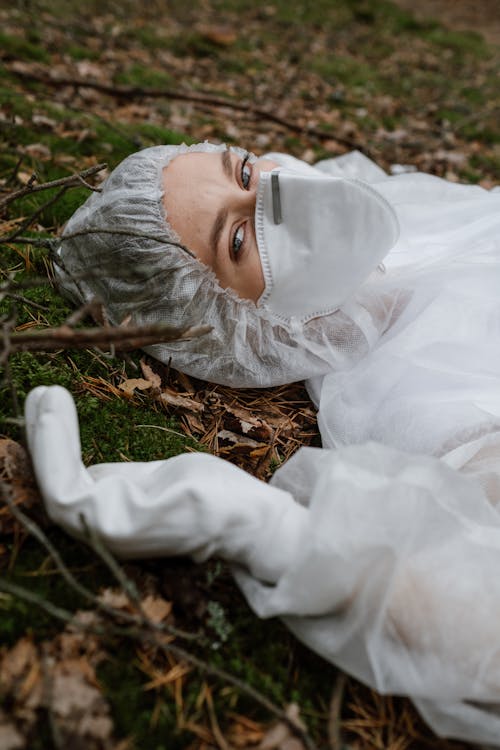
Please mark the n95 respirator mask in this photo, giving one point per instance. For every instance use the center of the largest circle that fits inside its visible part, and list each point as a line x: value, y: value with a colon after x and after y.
x: 319, y: 239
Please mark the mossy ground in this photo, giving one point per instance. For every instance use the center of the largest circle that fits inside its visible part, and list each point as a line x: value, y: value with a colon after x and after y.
x: 403, y: 89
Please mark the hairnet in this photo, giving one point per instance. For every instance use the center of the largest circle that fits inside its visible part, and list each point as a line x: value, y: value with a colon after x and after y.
x: 119, y: 248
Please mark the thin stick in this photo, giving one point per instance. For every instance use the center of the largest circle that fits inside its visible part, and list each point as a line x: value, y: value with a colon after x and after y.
x: 125, y: 582
x: 25, y: 224
x: 214, y: 101
x: 29, y: 596
x: 69, y: 181
x: 35, y: 530
x: 24, y: 300
x: 201, y: 665
x: 152, y: 640
x: 334, y: 715
x: 122, y: 337
x: 36, y: 241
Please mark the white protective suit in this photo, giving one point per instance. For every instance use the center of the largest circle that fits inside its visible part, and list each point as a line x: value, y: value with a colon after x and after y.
x: 381, y: 551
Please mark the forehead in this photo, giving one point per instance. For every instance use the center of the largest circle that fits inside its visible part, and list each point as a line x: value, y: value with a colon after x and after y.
x: 186, y: 170
x: 193, y: 185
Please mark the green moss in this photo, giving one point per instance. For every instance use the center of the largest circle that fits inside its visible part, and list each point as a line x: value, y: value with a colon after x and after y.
x: 15, y: 47
x: 77, y: 52
x: 348, y: 71
x: 141, y: 75
x: 194, y: 43
x: 461, y: 42
x: 159, y: 135
x: 35, y: 571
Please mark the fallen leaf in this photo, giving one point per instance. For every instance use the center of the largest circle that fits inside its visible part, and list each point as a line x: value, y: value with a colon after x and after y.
x: 10, y: 738
x: 16, y: 664
x: 280, y: 736
x: 223, y: 36
x: 238, y: 441
x: 37, y: 151
x: 172, y: 398
x: 150, y: 376
x: 114, y: 598
x: 156, y: 608
x: 129, y: 386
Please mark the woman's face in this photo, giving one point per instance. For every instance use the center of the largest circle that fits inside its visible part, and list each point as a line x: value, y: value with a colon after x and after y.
x: 210, y: 202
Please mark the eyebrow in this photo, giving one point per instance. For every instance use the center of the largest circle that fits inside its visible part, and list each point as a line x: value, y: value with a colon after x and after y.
x: 227, y: 164
x: 221, y: 218
x: 217, y: 228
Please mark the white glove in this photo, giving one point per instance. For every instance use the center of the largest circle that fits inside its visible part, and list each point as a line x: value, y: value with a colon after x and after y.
x: 192, y: 504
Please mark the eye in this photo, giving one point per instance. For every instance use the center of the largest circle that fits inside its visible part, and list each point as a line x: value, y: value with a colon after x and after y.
x: 238, y: 240
x: 246, y: 172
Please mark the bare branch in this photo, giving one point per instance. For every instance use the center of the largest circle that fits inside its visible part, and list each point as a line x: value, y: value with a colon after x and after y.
x: 35, y: 241
x: 27, y: 222
x: 73, y: 180
x: 36, y: 531
x: 143, y: 631
x: 27, y: 595
x: 334, y: 714
x: 122, y: 337
x: 129, y: 92
x: 24, y: 300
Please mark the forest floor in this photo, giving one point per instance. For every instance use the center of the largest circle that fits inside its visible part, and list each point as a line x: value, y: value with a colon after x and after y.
x: 82, y: 84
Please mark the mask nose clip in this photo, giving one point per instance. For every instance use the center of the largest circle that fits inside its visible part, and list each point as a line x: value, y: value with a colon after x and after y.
x: 275, y: 193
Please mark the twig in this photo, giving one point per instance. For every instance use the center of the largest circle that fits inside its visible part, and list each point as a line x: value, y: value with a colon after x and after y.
x: 7, y: 326
x: 197, y: 98
x: 29, y: 596
x: 167, y: 648
x: 36, y: 241
x: 334, y: 714
x: 27, y: 222
x: 16, y: 169
x: 36, y: 531
x: 201, y: 665
x: 72, y: 180
x: 146, y: 636
x: 126, y: 232
x: 25, y: 300
x: 122, y: 337
x: 125, y: 582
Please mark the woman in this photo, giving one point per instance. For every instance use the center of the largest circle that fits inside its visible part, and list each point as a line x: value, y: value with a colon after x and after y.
x: 382, y: 556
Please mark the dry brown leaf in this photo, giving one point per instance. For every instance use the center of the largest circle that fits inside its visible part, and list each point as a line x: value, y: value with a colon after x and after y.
x: 71, y: 692
x: 244, y: 732
x: 280, y: 736
x: 151, y: 376
x: 44, y: 121
x: 177, y: 672
x: 16, y: 665
x: 10, y: 737
x: 195, y: 425
x: 186, y: 383
x: 24, y: 177
x: 156, y: 608
x: 172, y: 398
x: 79, y: 710
x: 238, y: 441
x: 38, y: 151
x: 248, y: 424
x: 223, y: 36
x: 129, y: 386
x: 114, y: 598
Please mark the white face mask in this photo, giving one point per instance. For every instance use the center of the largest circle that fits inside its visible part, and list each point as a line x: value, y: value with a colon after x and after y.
x: 319, y: 238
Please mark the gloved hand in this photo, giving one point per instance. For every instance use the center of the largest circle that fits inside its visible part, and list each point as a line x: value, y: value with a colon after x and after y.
x: 192, y: 504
